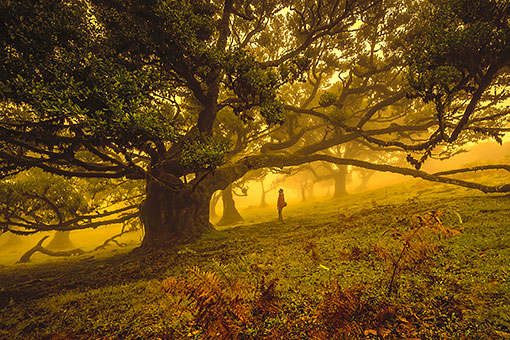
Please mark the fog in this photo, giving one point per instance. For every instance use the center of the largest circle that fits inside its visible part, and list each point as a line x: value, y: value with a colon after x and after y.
x: 12, y: 247
x: 483, y: 152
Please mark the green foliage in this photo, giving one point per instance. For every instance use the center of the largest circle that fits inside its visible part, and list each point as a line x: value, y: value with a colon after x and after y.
x: 35, y: 200
x: 79, y: 82
x: 254, y: 86
x: 188, y: 24
x: 204, y: 152
x: 327, y: 99
x: 35, y: 197
x: 458, y: 39
x: 295, y: 69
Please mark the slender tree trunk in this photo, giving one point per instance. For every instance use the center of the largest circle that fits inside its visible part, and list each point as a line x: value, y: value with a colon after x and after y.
x: 263, y: 202
x: 172, y: 216
x: 340, y: 181
x: 61, y: 241
x: 303, y: 193
x: 230, y: 213
x: 310, y: 191
x: 365, y: 177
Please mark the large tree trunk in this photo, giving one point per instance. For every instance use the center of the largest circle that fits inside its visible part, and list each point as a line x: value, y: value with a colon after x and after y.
x: 173, y: 216
x: 340, y: 181
x: 230, y: 213
x: 61, y: 241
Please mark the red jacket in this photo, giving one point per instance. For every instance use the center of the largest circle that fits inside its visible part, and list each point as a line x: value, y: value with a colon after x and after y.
x: 281, y: 201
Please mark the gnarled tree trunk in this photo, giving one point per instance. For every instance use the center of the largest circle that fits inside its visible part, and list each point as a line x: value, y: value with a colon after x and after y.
x: 230, y: 213
x: 365, y: 177
x: 173, y: 215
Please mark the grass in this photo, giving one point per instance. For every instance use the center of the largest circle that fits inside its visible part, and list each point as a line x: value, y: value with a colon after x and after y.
x: 324, y: 273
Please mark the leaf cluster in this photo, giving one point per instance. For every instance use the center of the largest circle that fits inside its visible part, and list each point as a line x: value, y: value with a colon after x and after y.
x: 204, y: 152
x: 254, y: 85
x: 73, y: 83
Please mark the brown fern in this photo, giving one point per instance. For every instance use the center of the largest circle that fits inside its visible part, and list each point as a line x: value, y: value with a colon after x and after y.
x: 415, y: 245
x: 218, y: 308
x: 346, y: 314
x: 267, y: 301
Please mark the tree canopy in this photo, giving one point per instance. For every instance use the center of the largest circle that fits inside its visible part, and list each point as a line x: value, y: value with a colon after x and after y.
x: 189, y: 96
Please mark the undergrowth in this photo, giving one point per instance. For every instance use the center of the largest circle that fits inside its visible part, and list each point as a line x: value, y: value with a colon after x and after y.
x: 396, y: 263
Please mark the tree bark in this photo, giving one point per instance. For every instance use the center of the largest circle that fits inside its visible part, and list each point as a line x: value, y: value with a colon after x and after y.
x: 174, y: 215
x: 230, y: 213
x: 340, y: 177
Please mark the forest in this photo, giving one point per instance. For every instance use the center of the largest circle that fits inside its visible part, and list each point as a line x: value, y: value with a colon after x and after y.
x: 254, y: 169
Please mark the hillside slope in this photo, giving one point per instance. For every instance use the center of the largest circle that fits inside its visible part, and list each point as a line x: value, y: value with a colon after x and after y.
x: 412, y: 261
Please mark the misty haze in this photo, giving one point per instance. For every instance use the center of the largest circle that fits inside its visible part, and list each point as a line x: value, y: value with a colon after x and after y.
x: 243, y: 169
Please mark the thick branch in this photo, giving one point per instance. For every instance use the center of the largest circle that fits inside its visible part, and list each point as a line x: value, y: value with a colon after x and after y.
x: 38, y: 247
x: 475, y: 168
x: 91, y: 221
x: 229, y: 174
x: 485, y: 82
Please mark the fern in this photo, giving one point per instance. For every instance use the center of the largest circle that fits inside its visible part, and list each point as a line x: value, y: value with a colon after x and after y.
x: 347, y: 314
x: 224, y: 308
x: 415, y: 244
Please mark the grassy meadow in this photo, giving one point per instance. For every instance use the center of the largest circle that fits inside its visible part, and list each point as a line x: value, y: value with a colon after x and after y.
x: 416, y: 260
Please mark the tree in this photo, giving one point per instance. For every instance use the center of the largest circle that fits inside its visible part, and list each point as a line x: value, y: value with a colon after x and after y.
x: 191, y: 95
x: 459, y: 61
x: 230, y: 212
x: 212, y: 205
x: 35, y: 201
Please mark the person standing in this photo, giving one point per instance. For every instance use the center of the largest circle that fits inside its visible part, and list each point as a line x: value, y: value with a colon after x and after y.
x: 281, y: 204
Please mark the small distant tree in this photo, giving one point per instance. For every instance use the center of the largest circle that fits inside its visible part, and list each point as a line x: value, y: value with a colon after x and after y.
x: 61, y: 240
